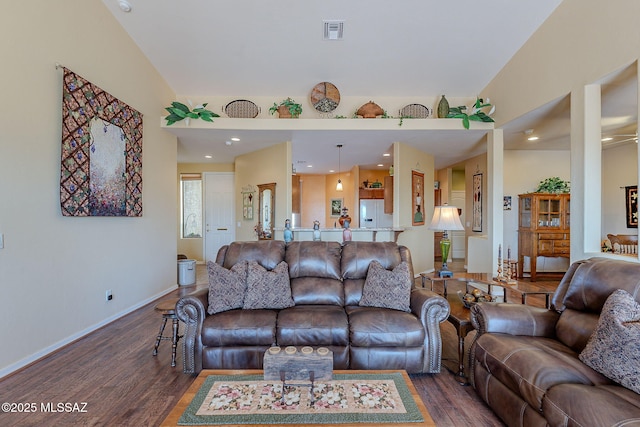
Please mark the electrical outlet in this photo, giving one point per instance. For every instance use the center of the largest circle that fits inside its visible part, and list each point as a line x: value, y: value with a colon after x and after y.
x: 109, y: 295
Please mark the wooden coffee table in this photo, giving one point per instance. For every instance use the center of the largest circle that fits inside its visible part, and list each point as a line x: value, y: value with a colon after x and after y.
x: 174, y: 416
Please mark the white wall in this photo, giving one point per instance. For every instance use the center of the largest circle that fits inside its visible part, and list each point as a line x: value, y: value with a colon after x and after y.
x: 619, y: 170
x: 54, y: 270
x: 562, y: 58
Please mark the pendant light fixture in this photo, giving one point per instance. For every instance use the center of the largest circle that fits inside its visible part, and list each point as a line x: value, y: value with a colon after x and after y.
x: 339, y: 185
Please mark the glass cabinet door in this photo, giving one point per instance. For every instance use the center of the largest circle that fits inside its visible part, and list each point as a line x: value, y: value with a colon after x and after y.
x: 549, y: 212
x: 525, y: 212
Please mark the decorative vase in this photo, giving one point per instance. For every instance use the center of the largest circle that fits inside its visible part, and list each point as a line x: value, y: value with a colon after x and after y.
x: 316, y: 231
x: 346, y: 231
x: 443, y: 108
x: 288, y: 234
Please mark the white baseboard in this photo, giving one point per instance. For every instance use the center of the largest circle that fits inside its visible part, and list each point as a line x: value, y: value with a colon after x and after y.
x: 50, y: 349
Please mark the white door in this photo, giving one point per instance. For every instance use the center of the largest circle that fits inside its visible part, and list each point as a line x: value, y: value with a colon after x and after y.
x: 458, y: 239
x: 219, y: 212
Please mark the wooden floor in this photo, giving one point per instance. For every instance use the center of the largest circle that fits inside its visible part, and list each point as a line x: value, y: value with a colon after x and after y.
x: 110, y: 378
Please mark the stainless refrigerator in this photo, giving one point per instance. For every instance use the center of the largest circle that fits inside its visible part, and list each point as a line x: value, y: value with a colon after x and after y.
x: 372, y: 214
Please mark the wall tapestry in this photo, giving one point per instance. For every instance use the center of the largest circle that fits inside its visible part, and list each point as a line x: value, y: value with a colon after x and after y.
x: 477, y: 202
x: 631, y: 193
x: 101, y: 168
x: 417, y: 188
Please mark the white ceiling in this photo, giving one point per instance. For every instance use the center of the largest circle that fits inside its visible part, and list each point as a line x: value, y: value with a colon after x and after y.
x: 244, y: 49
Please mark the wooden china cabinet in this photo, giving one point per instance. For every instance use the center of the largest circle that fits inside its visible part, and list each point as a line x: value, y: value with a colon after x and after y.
x: 543, y: 228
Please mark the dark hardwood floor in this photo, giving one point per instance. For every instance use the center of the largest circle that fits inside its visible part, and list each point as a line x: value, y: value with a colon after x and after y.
x: 110, y: 378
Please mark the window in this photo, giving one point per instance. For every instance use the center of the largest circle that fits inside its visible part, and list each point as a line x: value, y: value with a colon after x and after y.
x: 191, y: 195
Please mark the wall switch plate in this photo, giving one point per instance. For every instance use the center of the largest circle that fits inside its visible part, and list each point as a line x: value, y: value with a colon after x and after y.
x: 109, y: 295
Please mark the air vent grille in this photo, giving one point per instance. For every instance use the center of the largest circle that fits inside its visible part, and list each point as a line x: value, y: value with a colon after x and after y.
x: 333, y: 30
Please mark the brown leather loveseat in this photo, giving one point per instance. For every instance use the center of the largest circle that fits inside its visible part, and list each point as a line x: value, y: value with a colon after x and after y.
x: 528, y: 361
x: 326, y: 280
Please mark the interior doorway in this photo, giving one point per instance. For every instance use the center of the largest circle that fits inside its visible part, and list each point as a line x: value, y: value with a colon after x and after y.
x: 458, y: 238
x: 219, y: 212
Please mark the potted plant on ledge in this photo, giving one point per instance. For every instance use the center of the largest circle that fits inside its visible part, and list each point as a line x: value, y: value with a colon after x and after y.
x: 287, y: 109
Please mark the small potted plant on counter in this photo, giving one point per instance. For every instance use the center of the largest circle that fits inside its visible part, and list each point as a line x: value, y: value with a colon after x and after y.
x: 287, y: 109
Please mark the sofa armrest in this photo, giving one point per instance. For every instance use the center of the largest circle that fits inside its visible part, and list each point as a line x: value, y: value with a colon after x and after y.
x: 191, y: 310
x: 432, y: 309
x: 514, y: 319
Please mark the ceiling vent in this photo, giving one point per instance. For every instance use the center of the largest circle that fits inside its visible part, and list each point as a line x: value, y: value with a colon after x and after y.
x: 333, y: 30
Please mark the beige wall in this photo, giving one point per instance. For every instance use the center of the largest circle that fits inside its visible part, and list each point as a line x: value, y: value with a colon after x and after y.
x: 54, y: 270
x: 418, y: 239
x: 193, y: 248
x: 264, y: 166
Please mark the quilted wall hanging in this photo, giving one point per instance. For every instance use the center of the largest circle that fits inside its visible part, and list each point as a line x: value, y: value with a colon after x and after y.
x: 101, y: 168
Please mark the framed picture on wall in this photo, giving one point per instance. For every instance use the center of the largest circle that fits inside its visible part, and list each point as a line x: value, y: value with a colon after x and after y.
x: 417, y: 191
x: 477, y: 202
x: 631, y: 193
x: 336, y: 207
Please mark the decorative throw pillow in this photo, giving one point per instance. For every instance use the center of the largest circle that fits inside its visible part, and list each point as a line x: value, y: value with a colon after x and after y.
x: 268, y: 289
x: 387, y: 289
x: 613, y: 347
x: 226, y: 287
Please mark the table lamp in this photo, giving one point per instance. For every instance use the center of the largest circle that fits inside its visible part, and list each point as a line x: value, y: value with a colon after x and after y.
x: 445, y: 218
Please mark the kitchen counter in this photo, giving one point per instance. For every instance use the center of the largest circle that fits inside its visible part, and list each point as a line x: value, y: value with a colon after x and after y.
x: 387, y: 234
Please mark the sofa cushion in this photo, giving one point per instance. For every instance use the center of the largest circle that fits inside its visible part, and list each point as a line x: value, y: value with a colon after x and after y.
x: 267, y: 289
x: 387, y: 289
x: 530, y: 366
x: 376, y: 327
x: 240, y: 328
x: 268, y: 253
x: 585, y: 405
x: 317, y: 291
x: 313, y: 325
x: 226, y: 287
x: 612, y: 350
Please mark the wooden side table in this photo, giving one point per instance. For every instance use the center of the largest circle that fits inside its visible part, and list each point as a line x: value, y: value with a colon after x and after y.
x: 168, y: 310
x: 460, y: 318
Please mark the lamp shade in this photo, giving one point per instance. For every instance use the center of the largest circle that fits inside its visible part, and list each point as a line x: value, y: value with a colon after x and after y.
x: 445, y: 218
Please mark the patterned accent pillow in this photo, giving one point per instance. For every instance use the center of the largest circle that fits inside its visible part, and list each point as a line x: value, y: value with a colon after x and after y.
x: 387, y: 289
x: 268, y: 289
x: 612, y: 349
x: 226, y: 287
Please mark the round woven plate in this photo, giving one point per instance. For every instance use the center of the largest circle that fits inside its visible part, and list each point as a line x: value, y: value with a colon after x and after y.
x: 325, y: 97
x: 242, y: 109
x: 416, y: 111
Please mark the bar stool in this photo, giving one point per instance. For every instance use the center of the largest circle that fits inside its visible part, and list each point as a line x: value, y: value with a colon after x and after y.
x: 168, y: 310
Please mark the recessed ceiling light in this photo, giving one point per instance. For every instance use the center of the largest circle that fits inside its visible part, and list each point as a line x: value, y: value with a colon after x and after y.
x: 332, y: 170
x: 607, y: 139
x: 125, y: 6
x: 533, y: 138
x: 235, y: 138
x: 309, y: 166
x: 380, y: 164
x: 208, y: 156
x: 386, y: 155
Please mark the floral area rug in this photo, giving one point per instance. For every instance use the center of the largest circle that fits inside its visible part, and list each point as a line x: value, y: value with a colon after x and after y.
x: 348, y: 398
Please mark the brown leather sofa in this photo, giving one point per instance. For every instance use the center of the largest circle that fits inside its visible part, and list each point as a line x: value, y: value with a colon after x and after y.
x: 326, y: 282
x: 525, y: 359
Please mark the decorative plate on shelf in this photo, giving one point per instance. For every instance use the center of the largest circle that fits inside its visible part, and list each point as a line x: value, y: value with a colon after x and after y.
x: 416, y: 111
x: 325, y: 97
x: 242, y: 109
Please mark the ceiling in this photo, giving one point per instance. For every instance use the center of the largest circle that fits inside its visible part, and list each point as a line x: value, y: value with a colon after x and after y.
x: 416, y: 48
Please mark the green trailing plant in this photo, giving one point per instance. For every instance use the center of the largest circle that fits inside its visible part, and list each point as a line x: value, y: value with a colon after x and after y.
x: 553, y: 185
x: 476, y: 114
x: 294, y: 108
x: 179, y: 111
